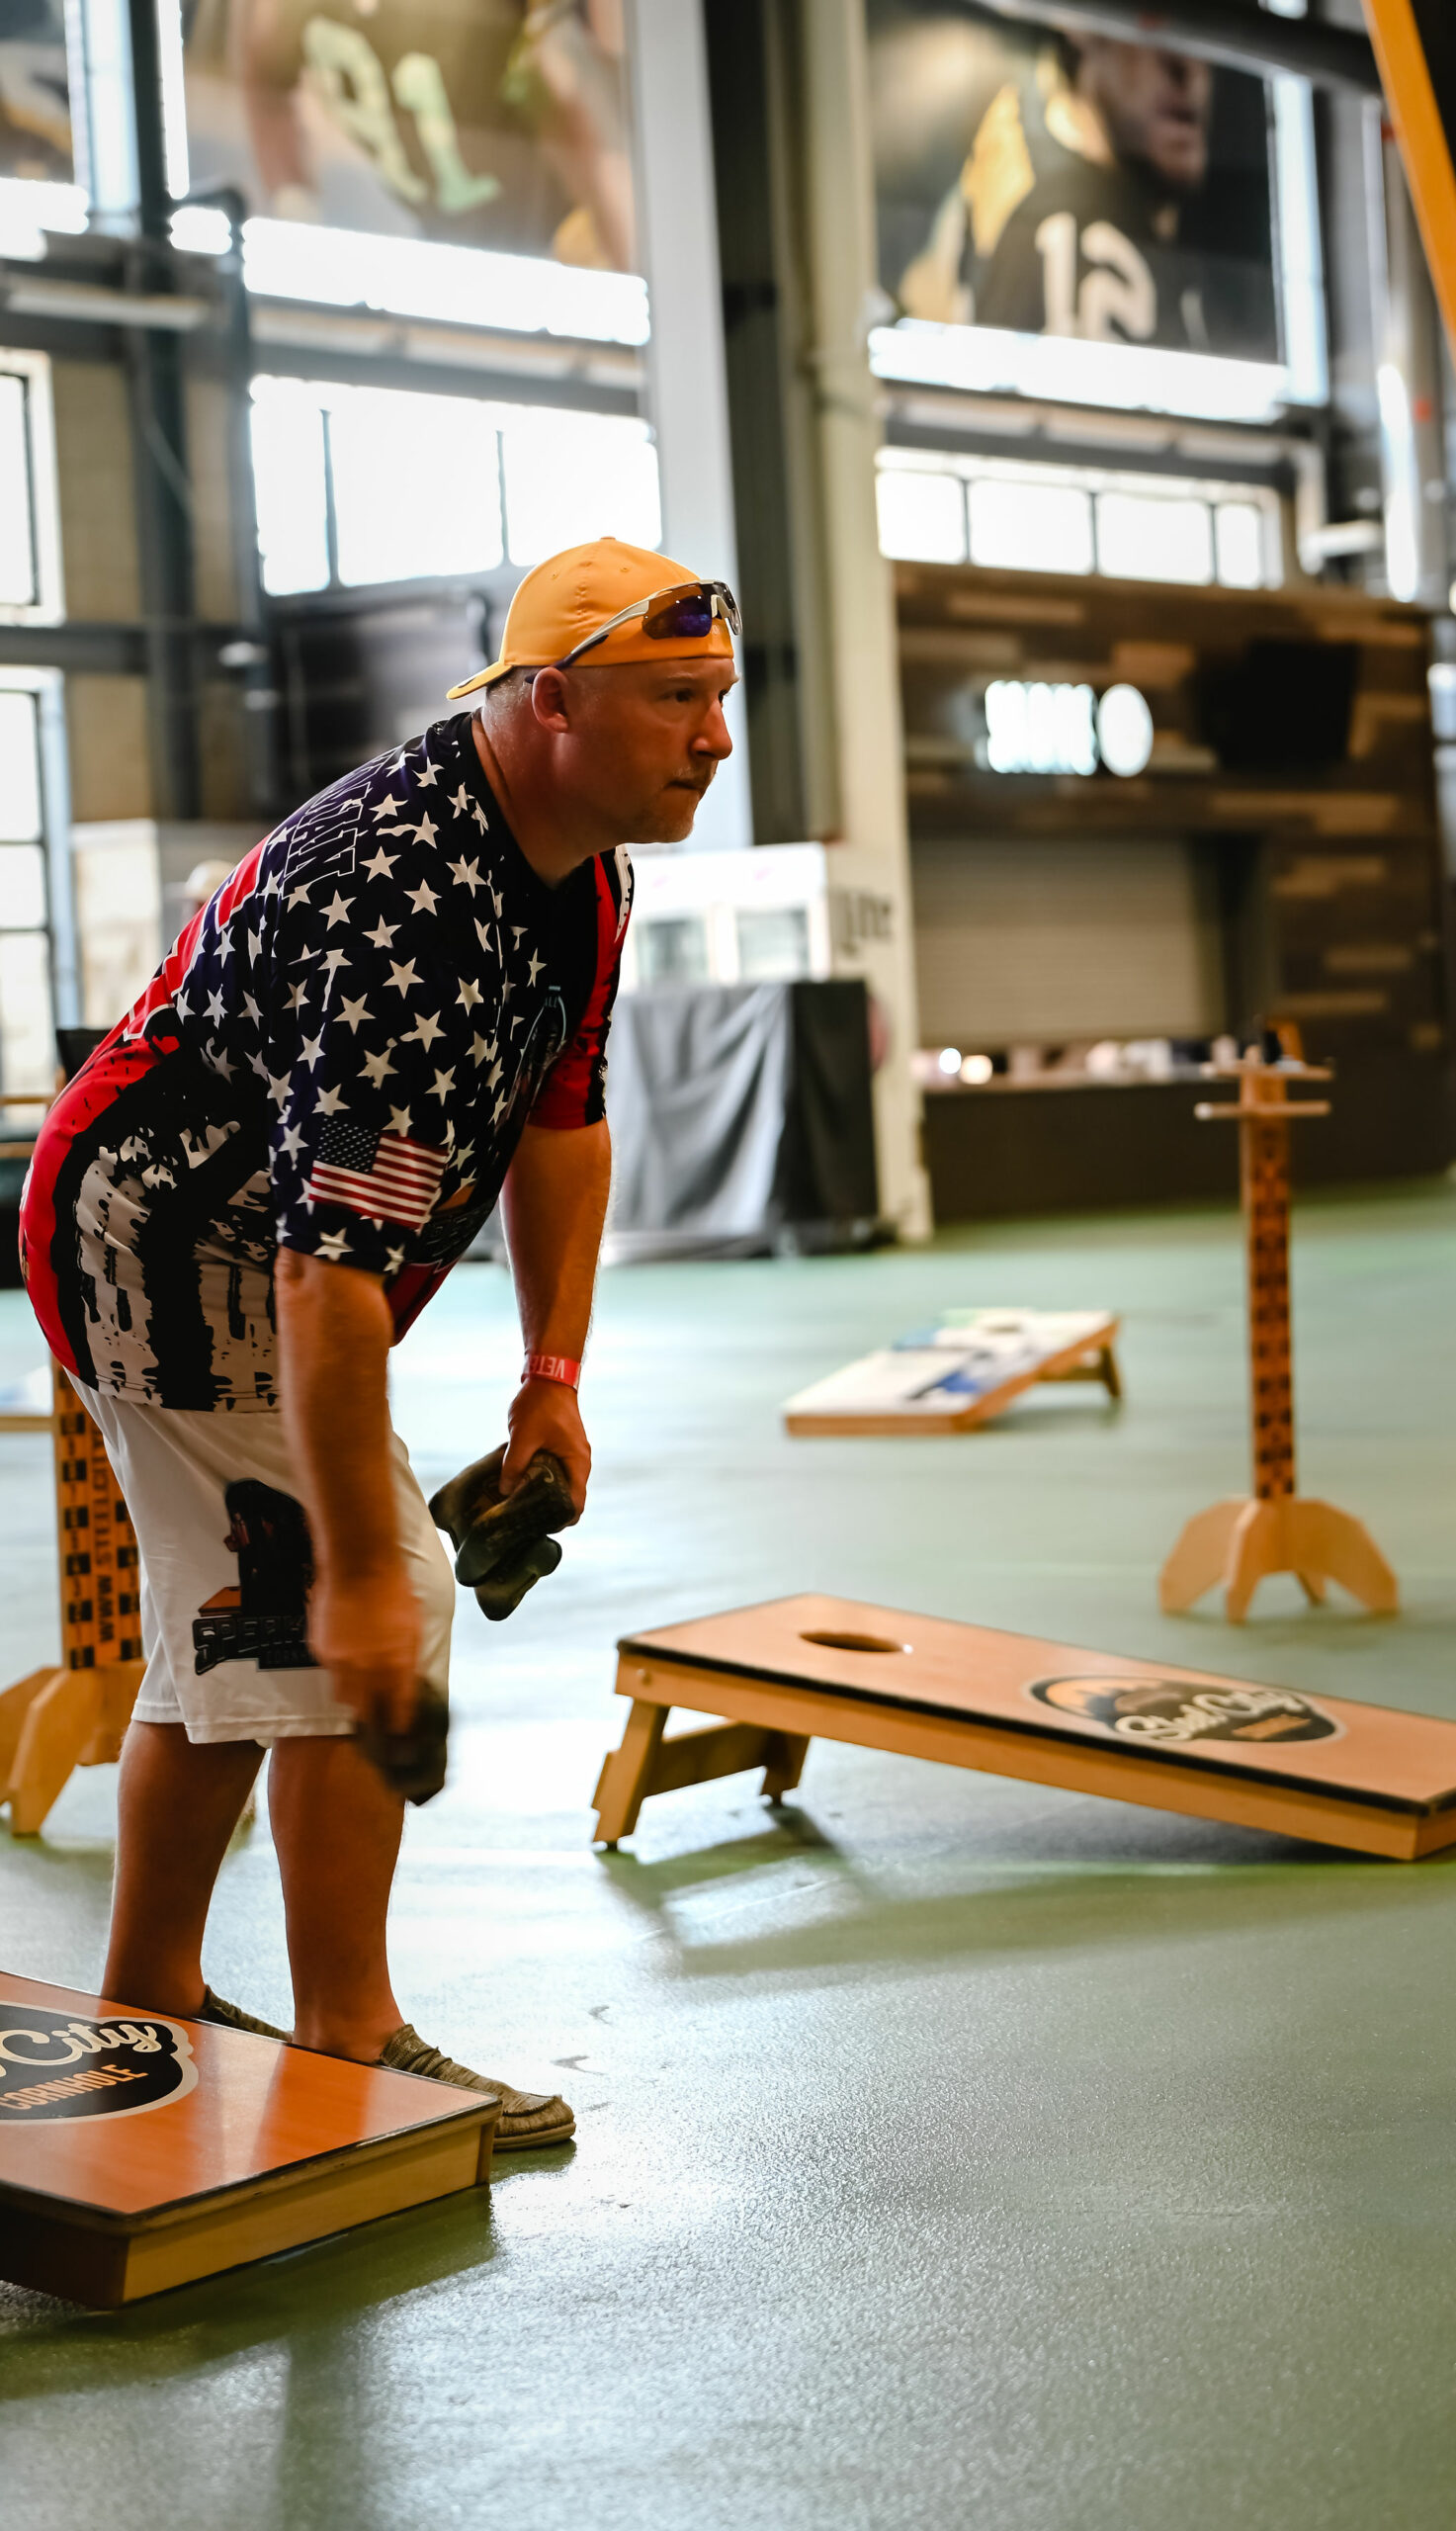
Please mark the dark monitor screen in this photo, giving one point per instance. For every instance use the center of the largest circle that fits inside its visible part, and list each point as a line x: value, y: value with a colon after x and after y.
x: 1281, y: 707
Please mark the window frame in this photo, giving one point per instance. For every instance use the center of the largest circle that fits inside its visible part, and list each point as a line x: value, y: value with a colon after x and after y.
x: 58, y: 930
x: 42, y: 487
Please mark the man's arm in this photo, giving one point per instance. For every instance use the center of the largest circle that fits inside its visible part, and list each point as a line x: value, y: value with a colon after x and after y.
x: 334, y: 1332
x: 554, y: 1205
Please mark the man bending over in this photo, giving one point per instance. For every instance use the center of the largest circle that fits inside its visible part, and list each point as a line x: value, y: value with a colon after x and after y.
x: 394, y: 1012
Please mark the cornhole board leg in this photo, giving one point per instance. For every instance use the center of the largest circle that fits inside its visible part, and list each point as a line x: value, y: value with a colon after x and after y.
x: 967, y: 1699
x: 1099, y: 1364
x: 647, y: 1761
x: 229, y: 2149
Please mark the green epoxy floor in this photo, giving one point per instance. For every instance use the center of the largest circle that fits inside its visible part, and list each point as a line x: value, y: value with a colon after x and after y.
x: 951, y: 2152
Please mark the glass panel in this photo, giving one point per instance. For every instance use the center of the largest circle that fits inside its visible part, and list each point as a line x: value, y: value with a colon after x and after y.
x: 773, y: 944
x: 200, y: 229
x: 673, y: 952
x: 119, y: 917
x: 444, y: 449
x: 570, y: 476
x: 1239, y: 534
x: 16, y: 536
x: 22, y: 887
x: 527, y: 294
x: 922, y: 516
x: 27, y: 1043
x: 290, y: 486
x: 1030, y: 527
x: 1146, y: 539
x: 19, y: 754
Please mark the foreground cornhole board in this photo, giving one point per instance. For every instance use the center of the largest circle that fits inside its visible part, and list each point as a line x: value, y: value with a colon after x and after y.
x: 138, y: 2152
x: 951, y: 1377
x: 1011, y: 1704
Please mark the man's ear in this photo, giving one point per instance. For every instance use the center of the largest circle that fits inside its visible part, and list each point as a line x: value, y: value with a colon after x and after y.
x: 549, y: 699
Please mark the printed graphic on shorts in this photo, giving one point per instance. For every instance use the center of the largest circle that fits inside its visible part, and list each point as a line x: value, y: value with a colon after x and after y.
x: 1169, y: 1713
x: 263, y: 1617
x: 54, y: 2065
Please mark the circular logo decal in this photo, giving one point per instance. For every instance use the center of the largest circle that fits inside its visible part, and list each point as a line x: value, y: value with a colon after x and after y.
x: 1167, y: 1714
x: 52, y: 2065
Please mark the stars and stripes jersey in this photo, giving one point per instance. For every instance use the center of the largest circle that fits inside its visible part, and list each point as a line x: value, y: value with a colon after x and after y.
x: 339, y: 1056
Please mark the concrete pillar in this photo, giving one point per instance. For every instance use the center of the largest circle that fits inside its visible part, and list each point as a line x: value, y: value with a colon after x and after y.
x: 677, y: 241
x: 869, y: 864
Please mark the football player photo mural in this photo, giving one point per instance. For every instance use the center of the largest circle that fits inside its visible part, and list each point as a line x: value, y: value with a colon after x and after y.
x: 1058, y: 181
x: 485, y: 123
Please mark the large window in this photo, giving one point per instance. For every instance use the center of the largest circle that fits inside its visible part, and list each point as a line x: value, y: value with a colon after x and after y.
x: 359, y: 484
x: 27, y: 1037
x: 938, y: 507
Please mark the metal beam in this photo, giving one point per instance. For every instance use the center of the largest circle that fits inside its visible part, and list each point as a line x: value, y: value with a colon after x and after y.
x: 1228, y: 32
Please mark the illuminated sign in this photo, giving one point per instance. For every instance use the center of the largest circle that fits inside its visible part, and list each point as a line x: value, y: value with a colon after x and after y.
x: 1065, y: 728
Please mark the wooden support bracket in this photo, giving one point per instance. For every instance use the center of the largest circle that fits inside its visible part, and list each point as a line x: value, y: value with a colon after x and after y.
x: 69, y: 1718
x: 1237, y: 1543
x: 649, y: 1762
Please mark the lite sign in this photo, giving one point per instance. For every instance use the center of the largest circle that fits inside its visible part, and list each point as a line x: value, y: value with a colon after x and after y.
x: 1066, y: 728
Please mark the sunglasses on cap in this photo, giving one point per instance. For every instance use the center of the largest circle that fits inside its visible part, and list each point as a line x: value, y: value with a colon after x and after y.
x: 684, y: 613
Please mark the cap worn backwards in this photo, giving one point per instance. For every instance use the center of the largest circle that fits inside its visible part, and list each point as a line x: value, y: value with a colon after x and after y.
x: 565, y: 599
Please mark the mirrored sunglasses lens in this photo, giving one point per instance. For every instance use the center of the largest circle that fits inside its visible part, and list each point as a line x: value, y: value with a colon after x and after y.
x: 688, y: 618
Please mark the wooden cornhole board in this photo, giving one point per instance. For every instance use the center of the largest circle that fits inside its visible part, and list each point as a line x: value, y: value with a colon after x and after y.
x: 1011, y: 1704
x: 138, y: 2152
x: 959, y: 1373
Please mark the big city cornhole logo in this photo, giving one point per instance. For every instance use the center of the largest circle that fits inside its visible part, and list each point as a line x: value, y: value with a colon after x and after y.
x: 1172, y: 1713
x: 54, y: 2065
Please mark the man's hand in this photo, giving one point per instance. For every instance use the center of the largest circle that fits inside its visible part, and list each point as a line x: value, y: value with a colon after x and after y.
x: 544, y: 1416
x: 365, y: 1631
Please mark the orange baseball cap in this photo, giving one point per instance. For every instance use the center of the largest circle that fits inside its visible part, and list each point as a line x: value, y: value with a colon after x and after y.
x: 566, y: 599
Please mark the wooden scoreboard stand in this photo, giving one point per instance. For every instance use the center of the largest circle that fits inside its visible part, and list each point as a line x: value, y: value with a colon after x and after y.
x: 1275, y: 1529
x: 74, y: 1714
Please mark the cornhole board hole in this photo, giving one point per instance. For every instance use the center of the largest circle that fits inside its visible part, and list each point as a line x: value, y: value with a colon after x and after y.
x: 959, y: 1373
x: 138, y: 2152
x: 777, y: 1676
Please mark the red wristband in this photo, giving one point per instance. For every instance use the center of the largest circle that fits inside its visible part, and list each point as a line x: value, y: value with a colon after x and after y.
x: 553, y: 1366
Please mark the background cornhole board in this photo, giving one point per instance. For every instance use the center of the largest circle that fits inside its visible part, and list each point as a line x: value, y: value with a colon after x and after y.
x: 951, y: 1377
x: 1188, y: 1740
x: 146, y: 2165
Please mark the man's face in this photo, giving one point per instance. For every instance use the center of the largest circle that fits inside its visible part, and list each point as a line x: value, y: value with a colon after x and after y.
x: 1155, y: 105
x: 643, y: 741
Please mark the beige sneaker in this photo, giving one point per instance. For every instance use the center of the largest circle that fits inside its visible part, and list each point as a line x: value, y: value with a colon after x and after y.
x: 526, y: 2118
x: 225, y: 2016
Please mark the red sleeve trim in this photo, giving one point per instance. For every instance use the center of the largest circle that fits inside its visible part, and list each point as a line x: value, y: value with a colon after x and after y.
x: 575, y: 1089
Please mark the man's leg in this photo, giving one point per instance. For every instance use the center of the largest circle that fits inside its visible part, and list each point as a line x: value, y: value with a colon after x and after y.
x: 336, y: 1827
x: 178, y: 1805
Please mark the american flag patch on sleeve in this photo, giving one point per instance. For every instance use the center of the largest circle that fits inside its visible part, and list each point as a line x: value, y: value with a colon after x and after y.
x: 381, y: 1176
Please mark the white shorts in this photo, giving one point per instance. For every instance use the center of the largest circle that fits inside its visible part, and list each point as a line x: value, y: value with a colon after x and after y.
x: 224, y: 1548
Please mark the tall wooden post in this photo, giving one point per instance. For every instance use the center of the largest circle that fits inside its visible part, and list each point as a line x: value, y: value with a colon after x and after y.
x: 1275, y: 1529
x: 1263, y: 1156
